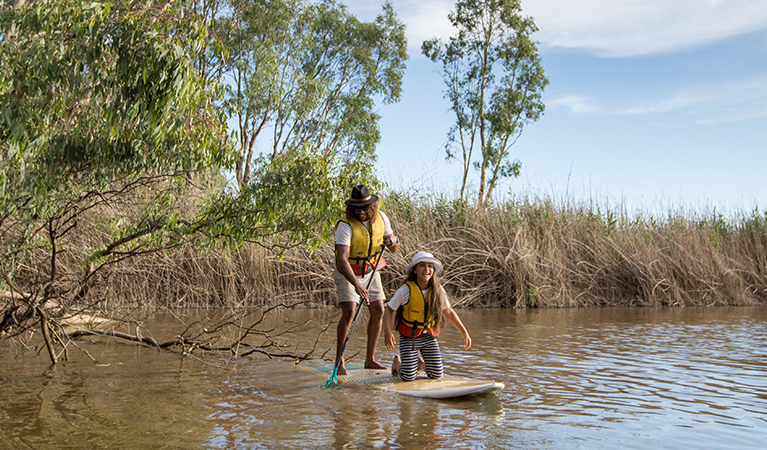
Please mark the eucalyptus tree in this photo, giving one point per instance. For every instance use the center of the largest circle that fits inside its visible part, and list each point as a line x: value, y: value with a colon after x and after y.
x: 104, y: 125
x: 494, y: 81
x: 305, y: 76
x: 110, y: 143
x: 113, y: 142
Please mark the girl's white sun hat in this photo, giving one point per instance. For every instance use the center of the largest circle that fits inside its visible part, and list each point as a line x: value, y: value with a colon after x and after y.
x: 424, y: 257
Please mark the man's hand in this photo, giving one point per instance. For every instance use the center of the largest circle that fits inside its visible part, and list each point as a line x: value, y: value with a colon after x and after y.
x: 362, y: 292
x: 391, y: 242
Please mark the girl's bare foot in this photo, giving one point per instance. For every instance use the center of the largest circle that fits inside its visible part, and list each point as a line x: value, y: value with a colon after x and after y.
x: 395, y: 365
x: 342, y: 369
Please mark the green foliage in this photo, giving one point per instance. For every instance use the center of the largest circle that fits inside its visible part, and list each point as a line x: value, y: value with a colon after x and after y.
x: 96, y: 91
x: 305, y: 75
x: 93, y: 93
x: 494, y: 82
x: 292, y: 200
x: 106, y: 129
x: 756, y: 226
x: 112, y: 144
x: 719, y: 230
x: 532, y: 297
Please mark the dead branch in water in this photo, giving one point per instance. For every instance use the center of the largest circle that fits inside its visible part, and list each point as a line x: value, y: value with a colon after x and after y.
x: 187, y: 344
x: 276, y: 336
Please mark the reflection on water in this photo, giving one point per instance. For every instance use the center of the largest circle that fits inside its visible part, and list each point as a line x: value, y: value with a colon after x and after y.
x: 576, y: 378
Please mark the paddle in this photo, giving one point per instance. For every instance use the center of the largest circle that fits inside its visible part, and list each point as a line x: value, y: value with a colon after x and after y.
x: 333, y: 379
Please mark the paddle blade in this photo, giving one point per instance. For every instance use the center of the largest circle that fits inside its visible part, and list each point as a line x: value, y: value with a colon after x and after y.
x: 333, y: 379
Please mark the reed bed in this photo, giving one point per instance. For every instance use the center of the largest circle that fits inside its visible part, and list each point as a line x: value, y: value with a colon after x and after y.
x: 535, y: 253
x: 524, y: 253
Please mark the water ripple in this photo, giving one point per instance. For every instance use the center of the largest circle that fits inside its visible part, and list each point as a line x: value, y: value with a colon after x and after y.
x: 575, y: 379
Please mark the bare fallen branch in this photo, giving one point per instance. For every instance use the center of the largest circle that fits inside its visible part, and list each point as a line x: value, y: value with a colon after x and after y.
x: 188, y: 344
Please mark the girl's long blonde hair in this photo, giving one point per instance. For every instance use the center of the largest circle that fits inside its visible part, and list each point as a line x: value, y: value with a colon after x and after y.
x: 438, y: 301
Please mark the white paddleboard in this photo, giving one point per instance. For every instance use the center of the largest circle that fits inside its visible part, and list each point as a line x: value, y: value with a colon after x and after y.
x: 442, y: 388
x: 445, y: 387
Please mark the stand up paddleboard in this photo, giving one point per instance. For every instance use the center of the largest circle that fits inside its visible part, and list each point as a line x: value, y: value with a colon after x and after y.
x: 445, y: 387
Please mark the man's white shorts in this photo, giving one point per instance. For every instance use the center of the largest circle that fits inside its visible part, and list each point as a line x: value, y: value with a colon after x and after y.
x: 346, y: 292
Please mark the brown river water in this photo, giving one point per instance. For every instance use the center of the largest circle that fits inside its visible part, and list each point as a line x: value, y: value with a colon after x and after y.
x: 611, y: 378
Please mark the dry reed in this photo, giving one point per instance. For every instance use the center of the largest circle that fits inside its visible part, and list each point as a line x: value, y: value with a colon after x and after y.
x: 531, y: 253
x: 522, y: 253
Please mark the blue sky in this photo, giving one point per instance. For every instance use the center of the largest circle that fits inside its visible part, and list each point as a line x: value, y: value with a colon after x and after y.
x: 653, y: 105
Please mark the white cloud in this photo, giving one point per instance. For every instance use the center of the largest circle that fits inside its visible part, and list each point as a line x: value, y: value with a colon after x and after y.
x: 738, y: 95
x: 733, y: 116
x: 642, y: 27
x: 711, y: 104
x: 424, y: 19
x: 576, y: 104
x: 603, y: 27
x: 674, y: 103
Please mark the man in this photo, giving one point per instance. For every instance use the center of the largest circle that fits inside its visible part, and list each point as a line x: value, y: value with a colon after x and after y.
x: 360, y: 237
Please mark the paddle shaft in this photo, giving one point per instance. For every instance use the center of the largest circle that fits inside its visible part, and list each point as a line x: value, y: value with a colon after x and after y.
x: 357, y: 313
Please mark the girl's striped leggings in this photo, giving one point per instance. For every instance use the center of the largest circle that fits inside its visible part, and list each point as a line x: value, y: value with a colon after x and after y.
x: 428, y: 347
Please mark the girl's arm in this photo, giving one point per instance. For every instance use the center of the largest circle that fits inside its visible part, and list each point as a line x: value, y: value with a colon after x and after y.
x: 388, y: 335
x: 456, y: 321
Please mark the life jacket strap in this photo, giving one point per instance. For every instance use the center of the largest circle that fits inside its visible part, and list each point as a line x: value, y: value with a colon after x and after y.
x: 362, y: 265
x: 370, y: 259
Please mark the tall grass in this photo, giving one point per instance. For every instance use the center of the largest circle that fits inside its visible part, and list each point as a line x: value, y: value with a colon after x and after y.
x: 194, y: 278
x: 536, y: 253
x: 525, y: 252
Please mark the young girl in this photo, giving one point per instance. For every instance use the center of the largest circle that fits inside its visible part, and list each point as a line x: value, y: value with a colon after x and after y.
x: 421, y: 307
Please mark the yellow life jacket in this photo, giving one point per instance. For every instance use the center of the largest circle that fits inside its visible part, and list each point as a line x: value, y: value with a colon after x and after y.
x: 414, y: 315
x: 366, y: 245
